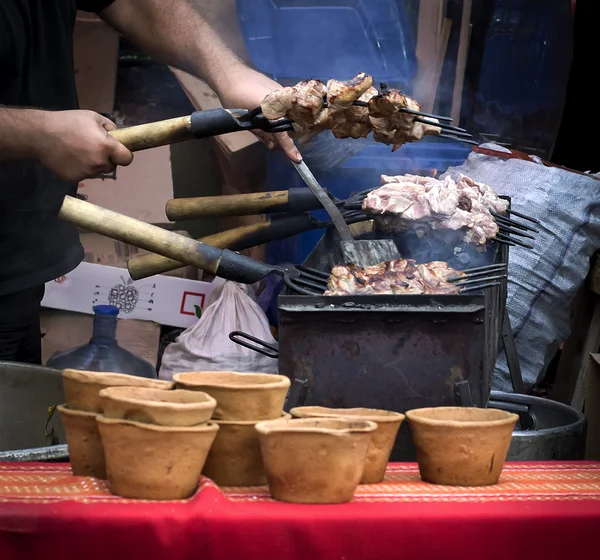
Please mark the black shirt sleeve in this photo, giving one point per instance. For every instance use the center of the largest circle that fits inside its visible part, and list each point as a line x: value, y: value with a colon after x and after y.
x: 93, y: 5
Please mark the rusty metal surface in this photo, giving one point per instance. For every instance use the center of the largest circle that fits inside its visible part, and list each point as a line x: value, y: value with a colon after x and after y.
x: 375, y: 351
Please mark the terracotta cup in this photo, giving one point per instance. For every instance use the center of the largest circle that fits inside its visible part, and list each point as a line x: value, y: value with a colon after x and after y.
x: 85, y: 446
x: 314, y: 460
x: 235, y: 458
x: 240, y: 396
x: 461, y: 446
x: 382, y: 441
x: 157, y: 406
x: 82, y: 387
x: 151, y: 462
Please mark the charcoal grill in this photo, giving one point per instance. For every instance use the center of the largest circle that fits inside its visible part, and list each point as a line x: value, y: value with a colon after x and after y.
x: 393, y: 352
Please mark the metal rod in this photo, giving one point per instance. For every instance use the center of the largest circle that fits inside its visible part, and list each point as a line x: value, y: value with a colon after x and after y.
x: 485, y: 267
x: 524, y: 216
x: 282, y: 128
x: 520, y: 233
x: 473, y: 275
x: 421, y: 114
x: 463, y: 140
x: 401, y: 109
x: 504, y: 219
x: 307, y: 284
x: 481, y: 287
x: 503, y: 242
x: 444, y: 126
x: 479, y: 280
x: 513, y: 240
x: 313, y: 271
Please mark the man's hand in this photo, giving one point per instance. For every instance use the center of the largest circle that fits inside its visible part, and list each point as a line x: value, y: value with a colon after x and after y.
x: 76, y: 145
x: 247, y: 91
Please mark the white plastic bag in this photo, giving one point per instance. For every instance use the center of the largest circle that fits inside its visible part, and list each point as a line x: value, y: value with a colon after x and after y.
x: 206, y: 346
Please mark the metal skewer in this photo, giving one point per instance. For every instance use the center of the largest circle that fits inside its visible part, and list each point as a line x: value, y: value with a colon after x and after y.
x: 463, y: 140
x: 480, y: 287
x: 502, y: 237
x: 500, y: 218
x: 506, y: 230
x: 524, y: 216
x: 476, y: 280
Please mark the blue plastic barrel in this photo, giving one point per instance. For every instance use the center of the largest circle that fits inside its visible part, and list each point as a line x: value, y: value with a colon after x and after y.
x: 299, y: 39
x: 293, y: 40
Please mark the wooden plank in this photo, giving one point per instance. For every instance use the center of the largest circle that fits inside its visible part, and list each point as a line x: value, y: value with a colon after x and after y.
x: 427, y: 32
x: 592, y: 409
x: 433, y: 77
x: 461, y: 60
x: 594, y: 274
x: 432, y: 41
x: 572, y: 355
x: 590, y: 346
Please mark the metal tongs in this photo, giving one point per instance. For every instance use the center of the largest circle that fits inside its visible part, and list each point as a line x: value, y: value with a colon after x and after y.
x: 200, y: 124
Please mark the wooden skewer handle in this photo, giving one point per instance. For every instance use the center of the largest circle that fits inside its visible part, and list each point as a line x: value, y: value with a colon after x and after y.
x: 235, y: 239
x: 152, y: 135
x: 145, y: 266
x: 140, y: 234
x: 201, y: 124
x: 226, y: 205
x: 295, y: 200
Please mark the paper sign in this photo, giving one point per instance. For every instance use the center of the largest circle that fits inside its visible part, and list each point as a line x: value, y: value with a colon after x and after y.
x: 163, y: 299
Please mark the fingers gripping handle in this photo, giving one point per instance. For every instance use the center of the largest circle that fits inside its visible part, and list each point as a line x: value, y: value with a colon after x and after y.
x: 201, y: 124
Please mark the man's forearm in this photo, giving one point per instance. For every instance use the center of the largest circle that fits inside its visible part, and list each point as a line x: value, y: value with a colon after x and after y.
x: 19, y: 131
x: 176, y: 34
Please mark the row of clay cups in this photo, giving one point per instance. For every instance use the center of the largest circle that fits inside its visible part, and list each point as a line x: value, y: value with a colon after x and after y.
x: 456, y: 446
x: 322, y: 454
x: 243, y: 400
x: 149, y: 440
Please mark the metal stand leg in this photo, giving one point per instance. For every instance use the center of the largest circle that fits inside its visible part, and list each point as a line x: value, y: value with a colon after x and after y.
x: 512, y: 359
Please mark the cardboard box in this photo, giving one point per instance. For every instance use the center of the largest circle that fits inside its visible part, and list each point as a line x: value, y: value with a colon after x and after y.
x: 63, y: 330
x: 592, y: 408
x: 176, y: 302
x: 96, y: 57
x: 240, y: 155
x: 140, y: 190
x: 103, y: 250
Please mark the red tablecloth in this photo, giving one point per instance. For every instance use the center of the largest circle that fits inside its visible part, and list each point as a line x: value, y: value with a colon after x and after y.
x: 539, y: 510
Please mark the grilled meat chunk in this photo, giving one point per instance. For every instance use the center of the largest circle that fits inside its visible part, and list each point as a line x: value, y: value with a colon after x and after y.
x: 400, y: 276
x: 409, y: 202
x: 341, y: 95
x: 304, y: 104
x: 278, y: 103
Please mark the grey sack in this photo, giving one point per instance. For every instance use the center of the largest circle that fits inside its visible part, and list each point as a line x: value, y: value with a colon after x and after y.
x: 542, y: 281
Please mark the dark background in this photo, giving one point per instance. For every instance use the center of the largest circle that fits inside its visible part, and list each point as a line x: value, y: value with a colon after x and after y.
x: 577, y: 143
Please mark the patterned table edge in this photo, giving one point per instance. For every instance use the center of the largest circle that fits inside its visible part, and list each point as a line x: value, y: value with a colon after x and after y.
x: 364, y: 495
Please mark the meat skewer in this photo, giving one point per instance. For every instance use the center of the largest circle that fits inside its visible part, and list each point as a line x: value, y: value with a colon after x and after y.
x: 482, y: 274
x: 404, y: 276
x: 410, y: 202
x: 354, y: 109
